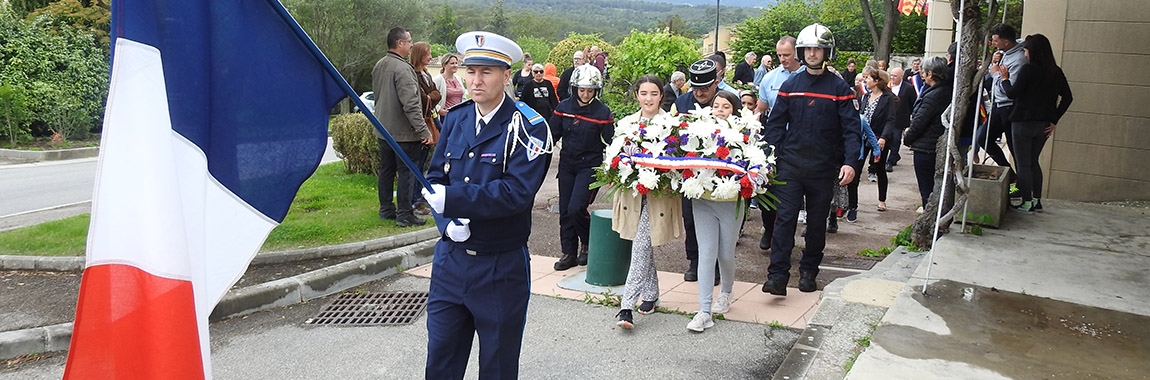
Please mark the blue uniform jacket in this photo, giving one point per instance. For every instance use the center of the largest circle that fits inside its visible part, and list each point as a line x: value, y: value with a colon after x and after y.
x: 471, y: 168
x: 824, y: 130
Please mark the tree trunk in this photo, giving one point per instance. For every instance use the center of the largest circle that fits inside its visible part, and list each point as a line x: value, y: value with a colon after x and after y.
x: 881, y: 39
x: 874, y: 33
x: 969, y: 78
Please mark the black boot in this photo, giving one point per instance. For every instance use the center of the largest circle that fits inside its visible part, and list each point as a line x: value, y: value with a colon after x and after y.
x: 807, y: 281
x: 692, y: 273
x: 582, y: 255
x: 765, y: 242
x: 566, y: 262
x: 776, y: 284
x: 832, y: 224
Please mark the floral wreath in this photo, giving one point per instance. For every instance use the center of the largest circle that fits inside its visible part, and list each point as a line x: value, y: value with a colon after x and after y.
x: 694, y: 155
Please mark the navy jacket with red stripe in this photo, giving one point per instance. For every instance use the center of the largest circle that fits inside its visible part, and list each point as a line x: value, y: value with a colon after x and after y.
x: 814, y: 127
x: 585, y: 132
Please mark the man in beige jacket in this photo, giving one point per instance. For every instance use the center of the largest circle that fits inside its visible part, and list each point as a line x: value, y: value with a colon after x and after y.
x: 398, y: 108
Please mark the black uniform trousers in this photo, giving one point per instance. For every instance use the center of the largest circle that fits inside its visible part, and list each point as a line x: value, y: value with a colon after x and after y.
x: 818, y: 193
x: 691, y: 243
x: 574, y: 199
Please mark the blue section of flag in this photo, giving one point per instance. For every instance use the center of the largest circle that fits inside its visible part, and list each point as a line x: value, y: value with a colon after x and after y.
x: 243, y: 87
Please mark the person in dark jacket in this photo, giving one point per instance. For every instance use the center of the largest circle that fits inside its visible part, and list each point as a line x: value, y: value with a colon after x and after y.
x: 585, y: 125
x: 1037, y: 109
x: 538, y: 93
x: 704, y: 87
x: 907, y: 94
x: 745, y: 70
x: 817, y: 136
x: 926, y: 122
x: 564, y: 88
x: 879, y: 107
x: 673, y: 90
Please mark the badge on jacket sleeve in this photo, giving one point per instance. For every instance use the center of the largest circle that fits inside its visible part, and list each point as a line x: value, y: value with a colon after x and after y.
x: 535, y: 148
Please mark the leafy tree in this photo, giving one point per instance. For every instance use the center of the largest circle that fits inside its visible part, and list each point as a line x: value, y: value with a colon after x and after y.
x: 500, y: 24
x: 93, y: 17
x: 538, y: 47
x: 845, y: 20
x: 676, y: 26
x: 13, y: 114
x: 445, y: 26
x: 881, y: 37
x: 353, y: 33
x: 22, y: 8
x: 52, y: 62
x: 910, y: 38
x: 548, y: 27
x: 759, y: 34
x: 561, y: 54
x: 658, y: 52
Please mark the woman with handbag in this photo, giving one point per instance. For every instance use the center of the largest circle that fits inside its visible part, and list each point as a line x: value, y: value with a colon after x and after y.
x: 429, y: 96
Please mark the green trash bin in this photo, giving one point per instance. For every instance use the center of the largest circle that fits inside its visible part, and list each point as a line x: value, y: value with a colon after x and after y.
x: 608, y: 255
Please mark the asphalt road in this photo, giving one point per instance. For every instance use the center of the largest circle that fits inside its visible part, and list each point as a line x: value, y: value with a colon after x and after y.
x: 44, y: 185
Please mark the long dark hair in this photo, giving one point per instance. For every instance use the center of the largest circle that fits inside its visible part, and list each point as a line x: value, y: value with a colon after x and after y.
x: 1041, y: 54
x: 649, y: 78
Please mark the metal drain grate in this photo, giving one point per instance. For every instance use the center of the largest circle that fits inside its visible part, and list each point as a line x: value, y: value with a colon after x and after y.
x: 372, y: 309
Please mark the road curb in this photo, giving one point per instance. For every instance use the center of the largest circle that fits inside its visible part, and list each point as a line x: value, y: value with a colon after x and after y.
x: 76, y: 263
x: 49, y: 155
x: 287, y: 291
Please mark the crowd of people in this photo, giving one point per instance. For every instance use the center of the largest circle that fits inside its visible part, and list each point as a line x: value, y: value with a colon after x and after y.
x: 824, y: 126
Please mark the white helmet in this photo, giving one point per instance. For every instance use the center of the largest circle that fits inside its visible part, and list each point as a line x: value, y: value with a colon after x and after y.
x: 587, y: 76
x: 815, y: 36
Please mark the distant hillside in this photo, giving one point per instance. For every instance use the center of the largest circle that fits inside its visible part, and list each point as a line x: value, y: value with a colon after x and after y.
x: 613, y: 19
x: 725, y: 3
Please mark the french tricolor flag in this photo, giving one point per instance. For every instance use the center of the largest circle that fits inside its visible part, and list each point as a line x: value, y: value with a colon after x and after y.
x: 217, y: 112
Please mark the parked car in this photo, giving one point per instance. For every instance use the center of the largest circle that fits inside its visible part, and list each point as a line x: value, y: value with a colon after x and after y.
x: 368, y: 99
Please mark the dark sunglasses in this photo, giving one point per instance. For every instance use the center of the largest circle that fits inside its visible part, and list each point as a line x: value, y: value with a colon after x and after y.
x: 537, y: 71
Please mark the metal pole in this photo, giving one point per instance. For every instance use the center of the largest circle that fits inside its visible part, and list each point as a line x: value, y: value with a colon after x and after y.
x: 331, y: 70
x: 717, y: 25
x: 949, y: 140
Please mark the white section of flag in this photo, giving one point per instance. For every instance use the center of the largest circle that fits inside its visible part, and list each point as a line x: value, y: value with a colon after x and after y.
x: 155, y: 205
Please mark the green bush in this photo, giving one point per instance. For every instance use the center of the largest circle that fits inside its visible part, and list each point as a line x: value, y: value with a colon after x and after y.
x: 658, y: 53
x: 13, y: 115
x: 560, y: 55
x: 352, y: 138
x: 841, y: 58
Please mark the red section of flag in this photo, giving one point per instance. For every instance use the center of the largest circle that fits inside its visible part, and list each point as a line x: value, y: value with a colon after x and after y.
x: 158, y: 314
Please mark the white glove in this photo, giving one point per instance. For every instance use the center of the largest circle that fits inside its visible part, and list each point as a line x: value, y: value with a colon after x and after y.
x: 459, y: 233
x: 435, y: 200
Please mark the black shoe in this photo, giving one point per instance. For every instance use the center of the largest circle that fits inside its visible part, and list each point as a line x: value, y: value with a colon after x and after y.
x: 807, y: 281
x: 566, y: 262
x: 410, y: 220
x: 889, y: 168
x: 692, y: 273
x: 832, y: 225
x: 582, y: 255
x: 765, y: 242
x: 776, y: 284
x: 625, y: 319
x: 387, y: 215
x: 648, y: 307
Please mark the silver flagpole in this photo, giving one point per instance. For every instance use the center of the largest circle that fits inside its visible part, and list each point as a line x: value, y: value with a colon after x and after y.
x: 949, y: 140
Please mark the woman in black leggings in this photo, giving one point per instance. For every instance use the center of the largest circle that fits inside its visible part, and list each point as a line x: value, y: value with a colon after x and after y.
x: 1037, y: 109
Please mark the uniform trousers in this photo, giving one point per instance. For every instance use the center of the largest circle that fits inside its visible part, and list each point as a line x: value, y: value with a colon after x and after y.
x: 818, y: 193
x: 476, y: 292
x: 574, y: 198
x: 691, y: 242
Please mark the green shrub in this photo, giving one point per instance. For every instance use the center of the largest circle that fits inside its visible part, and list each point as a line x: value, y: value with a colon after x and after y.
x: 560, y: 55
x: 13, y: 115
x: 352, y: 138
x: 841, y: 58
x: 658, y: 53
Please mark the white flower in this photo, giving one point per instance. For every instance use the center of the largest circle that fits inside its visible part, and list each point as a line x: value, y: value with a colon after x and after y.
x: 625, y: 173
x: 694, y: 187
x: 649, y: 178
x: 726, y: 188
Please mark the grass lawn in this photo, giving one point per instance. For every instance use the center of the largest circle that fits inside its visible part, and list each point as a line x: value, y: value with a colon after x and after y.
x: 331, y: 208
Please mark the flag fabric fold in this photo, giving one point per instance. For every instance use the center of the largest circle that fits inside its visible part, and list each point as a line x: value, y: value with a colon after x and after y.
x: 216, y: 114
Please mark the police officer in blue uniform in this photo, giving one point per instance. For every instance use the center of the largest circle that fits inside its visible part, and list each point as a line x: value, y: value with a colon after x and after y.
x: 490, y: 161
x: 817, y: 135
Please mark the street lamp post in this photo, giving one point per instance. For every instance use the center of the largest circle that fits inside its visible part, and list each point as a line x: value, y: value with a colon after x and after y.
x: 717, y: 25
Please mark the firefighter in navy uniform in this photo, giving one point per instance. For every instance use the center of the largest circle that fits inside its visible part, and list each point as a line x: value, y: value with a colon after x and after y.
x: 817, y: 134
x: 585, y: 125
x: 491, y: 159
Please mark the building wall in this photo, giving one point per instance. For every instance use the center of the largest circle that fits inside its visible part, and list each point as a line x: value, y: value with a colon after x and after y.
x: 725, y: 36
x: 1101, y: 148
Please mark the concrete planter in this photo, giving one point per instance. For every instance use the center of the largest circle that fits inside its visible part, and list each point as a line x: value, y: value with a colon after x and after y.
x: 49, y: 155
x: 989, y: 194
